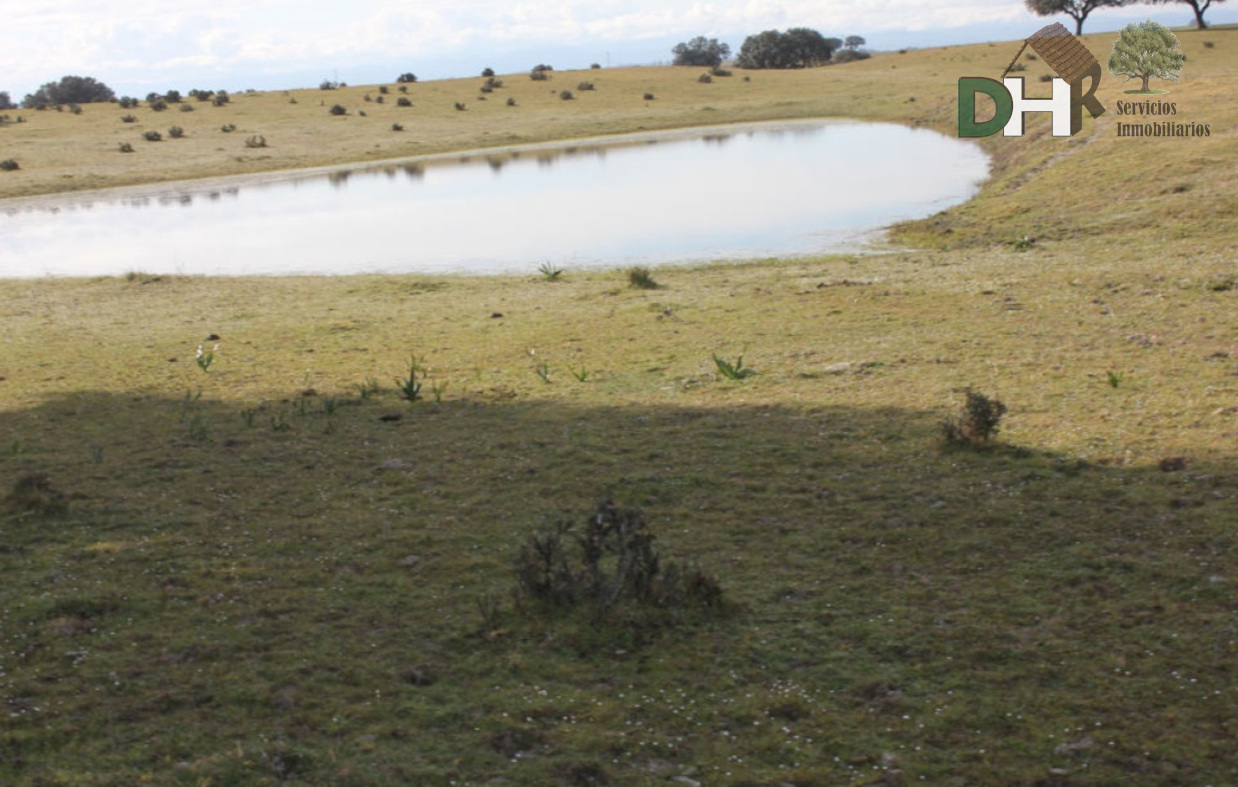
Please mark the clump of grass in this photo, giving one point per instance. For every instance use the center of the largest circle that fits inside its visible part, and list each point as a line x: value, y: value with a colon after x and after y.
x: 733, y: 371
x: 549, y: 271
x: 977, y: 423
x: 34, y: 494
x: 1022, y: 244
x: 543, y: 372
x: 410, y: 386
x: 616, y: 566
x: 1114, y: 378
x: 640, y: 278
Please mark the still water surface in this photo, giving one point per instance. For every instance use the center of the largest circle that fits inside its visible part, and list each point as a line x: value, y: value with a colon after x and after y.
x: 735, y: 192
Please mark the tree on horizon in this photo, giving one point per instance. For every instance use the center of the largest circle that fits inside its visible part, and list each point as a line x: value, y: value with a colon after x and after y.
x: 1077, y: 10
x: 69, y: 90
x: 701, y: 51
x: 1146, y: 50
x: 1196, y: 6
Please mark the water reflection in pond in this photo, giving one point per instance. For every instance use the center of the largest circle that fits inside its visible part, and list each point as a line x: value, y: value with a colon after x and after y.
x: 743, y: 192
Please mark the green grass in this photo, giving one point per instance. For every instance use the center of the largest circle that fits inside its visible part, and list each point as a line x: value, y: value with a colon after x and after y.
x: 281, y: 571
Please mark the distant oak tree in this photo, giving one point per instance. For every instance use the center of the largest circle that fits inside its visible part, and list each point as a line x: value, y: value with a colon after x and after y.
x: 1146, y: 50
x: 701, y: 51
x: 799, y: 47
x: 5, y: 101
x: 69, y: 90
x: 1077, y: 10
x: 1196, y: 6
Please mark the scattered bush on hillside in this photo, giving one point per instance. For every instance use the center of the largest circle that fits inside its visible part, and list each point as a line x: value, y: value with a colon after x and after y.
x: 384, y: 90
x: 706, y: 78
x: 176, y: 132
x: 850, y: 55
x: 228, y: 128
x: 406, y: 79
x: 585, y: 86
x: 327, y: 84
x: 256, y: 141
x: 538, y: 76
x: 152, y: 136
x: 128, y: 119
x: 977, y: 423
x: 460, y: 107
x: 649, y: 97
x: 511, y: 101
x: 157, y: 104
x: 337, y: 110
x: 566, y: 95
x: 615, y: 573
x: 9, y: 165
x: 487, y: 72
x: 396, y: 127
x: 125, y: 147
x: 128, y: 102
x: 718, y: 71
x: 187, y: 108
x: 403, y: 101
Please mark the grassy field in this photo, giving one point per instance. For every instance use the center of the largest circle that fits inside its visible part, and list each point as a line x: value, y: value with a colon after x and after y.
x: 272, y: 568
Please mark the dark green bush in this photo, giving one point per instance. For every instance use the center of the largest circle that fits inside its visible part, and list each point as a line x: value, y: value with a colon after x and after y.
x: 9, y: 165
x: 403, y: 101
x: 337, y: 110
x: 566, y: 95
x: 152, y: 136
x: 125, y: 147
x: 977, y: 423
x: 585, y: 86
x: 176, y: 132
x: 128, y: 119
x: 406, y: 79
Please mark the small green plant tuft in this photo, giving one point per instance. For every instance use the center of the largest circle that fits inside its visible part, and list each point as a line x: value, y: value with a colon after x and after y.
x: 549, y: 271
x: 543, y: 372
x: 640, y: 278
x: 1114, y: 378
x: 977, y: 423
x: 410, y: 386
x: 205, y: 358
x: 1022, y: 244
x: 733, y: 371
x: 368, y: 388
x: 581, y: 374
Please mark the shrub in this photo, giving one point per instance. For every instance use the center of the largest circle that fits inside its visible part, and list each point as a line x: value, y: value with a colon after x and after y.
x: 128, y: 102
x: 186, y: 107
x: 649, y: 96
x: 1046, y: 77
x: 9, y: 165
x: 75, y: 109
x: 719, y: 71
x: 403, y: 88
x: 69, y: 90
x: 619, y: 566
x: 640, y: 278
x: 172, y: 97
x: 487, y: 72
x: 396, y: 127
x: 511, y: 101
x: 256, y: 141
x: 596, y: 66
x: 157, y: 104
x: 406, y: 79
x: 566, y: 95
x: 128, y: 119
x: 221, y: 98
x: 1013, y: 68
x: 176, y: 132
x: 125, y: 147
x: 228, y: 128
x: 538, y: 76
x: 338, y: 110
x: 705, y: 78
x: 460, y: 107
x: 327, y: 84
x: 486, y: 89
x: 493, y: 82
x: 383, y: 89
x: 585, y: 86
x: 380, y: 100
x: 403, y: 101
x: 152, y: 136
x: 977, y: 423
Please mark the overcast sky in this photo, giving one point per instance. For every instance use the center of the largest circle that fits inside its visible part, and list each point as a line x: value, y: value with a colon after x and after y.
x: 137, y: 46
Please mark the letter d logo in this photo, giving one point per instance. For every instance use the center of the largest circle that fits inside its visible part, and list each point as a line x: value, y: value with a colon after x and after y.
x: 968, y: 88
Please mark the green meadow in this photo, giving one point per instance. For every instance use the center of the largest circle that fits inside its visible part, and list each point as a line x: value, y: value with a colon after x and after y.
x: 235, y: 551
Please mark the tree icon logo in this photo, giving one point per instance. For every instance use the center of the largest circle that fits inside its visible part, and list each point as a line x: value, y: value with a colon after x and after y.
x: 1143, y: 51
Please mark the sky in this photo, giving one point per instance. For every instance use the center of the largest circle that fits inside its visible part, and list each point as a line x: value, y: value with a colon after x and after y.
x: 142, y: 46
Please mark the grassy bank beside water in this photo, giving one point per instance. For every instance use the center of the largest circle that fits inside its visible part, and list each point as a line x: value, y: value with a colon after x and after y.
x: 275, y: 569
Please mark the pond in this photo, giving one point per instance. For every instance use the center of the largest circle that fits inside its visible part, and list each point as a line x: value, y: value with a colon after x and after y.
x: 724, y: 193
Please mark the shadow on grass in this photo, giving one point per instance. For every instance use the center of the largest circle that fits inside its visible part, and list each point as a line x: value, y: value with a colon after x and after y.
x: 228, y: 593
